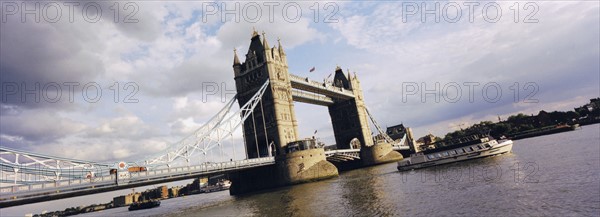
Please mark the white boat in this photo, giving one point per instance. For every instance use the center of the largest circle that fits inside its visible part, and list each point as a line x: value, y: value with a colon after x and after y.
x: 220, y: 186
x: 452, y: 154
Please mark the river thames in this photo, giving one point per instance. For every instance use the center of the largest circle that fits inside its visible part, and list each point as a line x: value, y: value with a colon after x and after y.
x: 553, y: 175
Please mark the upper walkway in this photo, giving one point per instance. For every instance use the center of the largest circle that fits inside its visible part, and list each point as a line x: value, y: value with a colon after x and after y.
x: 320, y: 88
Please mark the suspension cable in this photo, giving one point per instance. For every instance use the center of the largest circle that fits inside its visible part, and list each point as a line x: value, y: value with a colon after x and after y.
x: 232, y: 141
x: 245, y: 141
x: 265, y: 126
x: 255, y: 136
x: 220, y: 144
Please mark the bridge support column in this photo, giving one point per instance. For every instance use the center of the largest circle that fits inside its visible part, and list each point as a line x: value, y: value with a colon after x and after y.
x: 293, y: 168
x: 379, y: 153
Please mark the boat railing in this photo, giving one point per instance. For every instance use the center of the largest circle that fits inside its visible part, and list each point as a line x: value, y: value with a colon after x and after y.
x: 465, y: 139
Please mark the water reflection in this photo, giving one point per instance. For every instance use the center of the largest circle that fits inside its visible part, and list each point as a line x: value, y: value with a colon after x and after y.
x: 291, y: 201
x: 364, y: 193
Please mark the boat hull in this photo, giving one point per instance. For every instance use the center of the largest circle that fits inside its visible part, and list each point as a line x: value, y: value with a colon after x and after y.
x: 144, y: 205
x: 495, y: 150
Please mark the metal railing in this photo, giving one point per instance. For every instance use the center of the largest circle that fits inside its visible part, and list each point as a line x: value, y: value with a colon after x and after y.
x: 342, y: 151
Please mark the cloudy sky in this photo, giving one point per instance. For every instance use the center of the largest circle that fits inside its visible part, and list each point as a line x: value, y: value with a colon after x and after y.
x: 156, y: 63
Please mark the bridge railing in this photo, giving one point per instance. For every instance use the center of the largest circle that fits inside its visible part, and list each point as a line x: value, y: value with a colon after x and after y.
x: 65, y: 185
x: 341, y: 151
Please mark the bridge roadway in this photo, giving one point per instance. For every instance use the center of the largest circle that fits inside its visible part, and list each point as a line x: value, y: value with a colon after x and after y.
x: 39, y: 192
x: 25, y: 194
x: 345, y: 155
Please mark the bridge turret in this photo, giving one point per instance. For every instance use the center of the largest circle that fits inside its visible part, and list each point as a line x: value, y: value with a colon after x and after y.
x: 280, y: 47
x: 266, y: 48
x: 254, y: 32
x: 340, y: 80
x: 350, y: 80
x: 275, y: 54
x: 237, y: 66
x: 265, y: 43
x: 275, y: 122
x: 282, y: 54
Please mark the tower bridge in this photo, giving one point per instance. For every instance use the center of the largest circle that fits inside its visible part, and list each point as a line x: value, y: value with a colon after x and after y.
x: 275, y: 156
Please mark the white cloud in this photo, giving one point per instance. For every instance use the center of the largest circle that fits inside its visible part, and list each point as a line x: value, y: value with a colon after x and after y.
x: 171, y: 53
x: 184, y: 127
x: 39, y: 126
x: 556, y: 53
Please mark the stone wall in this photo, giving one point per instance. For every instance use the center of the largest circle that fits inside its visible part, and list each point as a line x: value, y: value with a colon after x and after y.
x: 292, y: 168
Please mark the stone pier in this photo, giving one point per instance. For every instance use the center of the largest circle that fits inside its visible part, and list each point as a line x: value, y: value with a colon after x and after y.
x: 379, y: 153
x: 293, y: 168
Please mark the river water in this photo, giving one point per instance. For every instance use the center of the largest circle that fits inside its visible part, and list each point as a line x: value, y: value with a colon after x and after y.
x: 553, y: 175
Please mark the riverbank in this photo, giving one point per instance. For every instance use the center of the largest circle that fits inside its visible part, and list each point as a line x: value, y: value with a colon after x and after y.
x: 524, y: 126
x: 543, y: 131
x: 159, y: 193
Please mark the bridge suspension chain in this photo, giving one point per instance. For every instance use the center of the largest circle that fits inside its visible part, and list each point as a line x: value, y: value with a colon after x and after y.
x: 386, y: 137
x: 210, y: 135
x: 22, y: 167
x: 178, y: 148
x: 19, y: 167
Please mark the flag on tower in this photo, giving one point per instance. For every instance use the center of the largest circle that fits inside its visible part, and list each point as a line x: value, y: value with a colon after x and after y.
x: 312, y: 69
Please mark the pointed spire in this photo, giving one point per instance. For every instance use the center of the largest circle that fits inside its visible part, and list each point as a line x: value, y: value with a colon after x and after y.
x: 254, y: 32
x: 281, y: 52
x: 349, y: 76
x: 236, y: 60
x: 265, y: 44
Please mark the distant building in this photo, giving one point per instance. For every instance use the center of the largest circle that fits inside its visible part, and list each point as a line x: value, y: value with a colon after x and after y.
x: 173, y: 192
x: 161, y: 192
x: 123, y: 200
x: 126, y: 200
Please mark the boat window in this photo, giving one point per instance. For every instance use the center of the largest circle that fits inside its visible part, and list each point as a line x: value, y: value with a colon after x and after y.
x: 479, y: 147
x: 438, y: 155
x: 453, y: 152
x: 430, y: 156
x: 487, y: 145
x: 471, y: 148
x: 463, y: 150
x: 445, y: 154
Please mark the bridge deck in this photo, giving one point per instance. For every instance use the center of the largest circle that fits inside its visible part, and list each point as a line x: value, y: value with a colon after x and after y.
x: 32, y: 193
x: 24, y: 194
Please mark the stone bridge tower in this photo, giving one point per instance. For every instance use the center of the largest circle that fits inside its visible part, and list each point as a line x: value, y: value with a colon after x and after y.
x: 273, y: 123
x: 348, y: 117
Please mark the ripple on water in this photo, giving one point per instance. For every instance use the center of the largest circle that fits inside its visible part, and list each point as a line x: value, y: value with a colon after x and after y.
x: 562, y: 178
